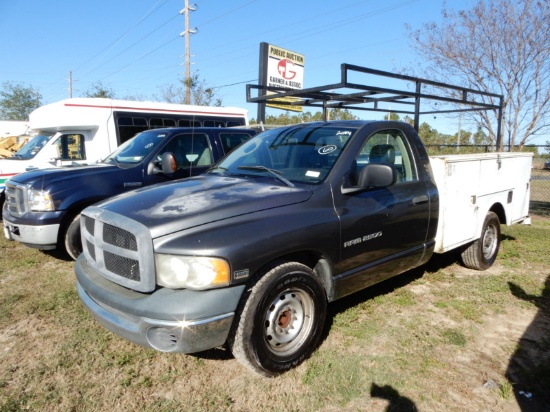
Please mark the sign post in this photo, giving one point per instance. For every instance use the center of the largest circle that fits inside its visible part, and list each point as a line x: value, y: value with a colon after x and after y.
x: 280, y: 68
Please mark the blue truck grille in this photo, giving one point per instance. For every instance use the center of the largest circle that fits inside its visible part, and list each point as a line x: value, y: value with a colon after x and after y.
x: 119, y: 248
x: 15, y: 199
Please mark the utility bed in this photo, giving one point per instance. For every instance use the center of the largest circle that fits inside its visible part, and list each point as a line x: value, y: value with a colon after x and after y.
x: 471, y: 184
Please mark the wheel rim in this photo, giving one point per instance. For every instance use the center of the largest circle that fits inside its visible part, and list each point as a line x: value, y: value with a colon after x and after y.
x: 489, y: 241
x: 288, y: 321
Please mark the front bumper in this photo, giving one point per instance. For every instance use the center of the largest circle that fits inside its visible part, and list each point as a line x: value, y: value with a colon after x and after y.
x: 166, y: 320
x: 40, y: 237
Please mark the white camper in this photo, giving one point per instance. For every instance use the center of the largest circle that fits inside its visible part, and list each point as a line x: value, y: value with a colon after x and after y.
x: 84, y: 130
x: 10, y: 128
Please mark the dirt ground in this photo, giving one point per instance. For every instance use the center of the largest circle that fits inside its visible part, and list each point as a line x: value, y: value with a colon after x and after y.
x: 53, y: 355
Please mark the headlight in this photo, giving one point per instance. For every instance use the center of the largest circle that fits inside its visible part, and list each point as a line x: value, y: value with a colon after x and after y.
x: 40, y: 201
x: 191, y: 272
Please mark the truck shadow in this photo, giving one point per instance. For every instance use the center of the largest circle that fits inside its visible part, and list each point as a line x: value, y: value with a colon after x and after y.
x: 529, y: 367
x: 436, y: 263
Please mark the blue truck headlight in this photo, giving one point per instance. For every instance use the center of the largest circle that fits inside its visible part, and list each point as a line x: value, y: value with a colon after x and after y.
x: 191, y: 272
x: 40, y: 201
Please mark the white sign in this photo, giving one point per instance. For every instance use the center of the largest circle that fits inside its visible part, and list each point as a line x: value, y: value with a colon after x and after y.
x: 285, y: 69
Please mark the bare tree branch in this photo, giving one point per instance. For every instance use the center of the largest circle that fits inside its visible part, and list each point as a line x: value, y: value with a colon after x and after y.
x: 498, y: 46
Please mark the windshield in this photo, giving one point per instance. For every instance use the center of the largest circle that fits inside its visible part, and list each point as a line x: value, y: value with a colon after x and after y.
x: 33, y: 146
x: 297, y: 154
x: 134, y: 150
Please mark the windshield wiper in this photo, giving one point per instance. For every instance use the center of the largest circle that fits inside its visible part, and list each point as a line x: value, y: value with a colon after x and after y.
x: 217, y: 168
x: 275, y: 173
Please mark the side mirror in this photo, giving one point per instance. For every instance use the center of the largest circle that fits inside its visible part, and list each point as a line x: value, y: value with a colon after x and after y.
x: 51, y: 152
x: 168, y: 163
x: 373, y: 175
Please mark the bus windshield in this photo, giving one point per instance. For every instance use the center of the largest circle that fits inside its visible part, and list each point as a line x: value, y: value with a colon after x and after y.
x: 33, y: 146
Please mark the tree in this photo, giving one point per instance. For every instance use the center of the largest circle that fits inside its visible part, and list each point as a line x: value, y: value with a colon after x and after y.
x: 498, y: 46
x: 287, y: 118
x: 17, y: 101
x: 100, y: 90
x: 201, y: 94
x: 392, y: 116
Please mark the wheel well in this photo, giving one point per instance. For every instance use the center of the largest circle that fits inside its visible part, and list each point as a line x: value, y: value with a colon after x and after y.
x: 68, y: 218
x: 319, y: 263
x: 498, y: 209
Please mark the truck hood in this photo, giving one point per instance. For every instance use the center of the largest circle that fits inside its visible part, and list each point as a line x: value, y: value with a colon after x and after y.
x: 179, y: 205
x: 42, y: 178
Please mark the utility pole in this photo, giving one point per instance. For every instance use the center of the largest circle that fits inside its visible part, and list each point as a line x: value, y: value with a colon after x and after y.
x: 187, y: 34
x: 70, y: 84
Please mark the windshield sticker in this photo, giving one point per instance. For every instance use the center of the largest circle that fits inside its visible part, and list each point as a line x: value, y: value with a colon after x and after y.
x: 327, y: 149
x: 312, y: 173
x: 343, y: 133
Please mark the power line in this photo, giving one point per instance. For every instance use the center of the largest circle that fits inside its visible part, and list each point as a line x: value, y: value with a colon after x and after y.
x: 110, y: 45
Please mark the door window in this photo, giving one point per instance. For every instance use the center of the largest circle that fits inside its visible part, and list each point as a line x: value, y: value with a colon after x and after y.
x: 190, y: 150
x: 71, y: 147
x: 389, y: 147
x: 232, y: 140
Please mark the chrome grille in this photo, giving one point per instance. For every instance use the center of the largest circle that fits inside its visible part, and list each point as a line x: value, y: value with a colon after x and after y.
x: 119, y: 248
x: 118, y: 237
x: 89, y: 224
x: 128, y: 268
x: 15, y: 199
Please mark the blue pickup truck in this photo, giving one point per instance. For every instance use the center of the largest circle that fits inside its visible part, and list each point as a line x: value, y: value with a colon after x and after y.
x: 42, y: 208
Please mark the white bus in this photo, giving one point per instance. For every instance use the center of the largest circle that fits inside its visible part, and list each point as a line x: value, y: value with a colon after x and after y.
x: 84, y: 130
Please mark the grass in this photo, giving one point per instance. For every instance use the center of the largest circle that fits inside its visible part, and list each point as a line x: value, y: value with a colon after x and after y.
x: 429, y: 338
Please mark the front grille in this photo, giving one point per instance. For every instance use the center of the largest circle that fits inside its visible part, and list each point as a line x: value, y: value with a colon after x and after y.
x: 118, y: 237
x: 119, y: 248
x: 128, y: 268
x: 15, y: 199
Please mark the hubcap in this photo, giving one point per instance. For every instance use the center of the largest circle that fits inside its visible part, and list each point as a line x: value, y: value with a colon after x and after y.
x: 288, y: 321
x: 489, y: 242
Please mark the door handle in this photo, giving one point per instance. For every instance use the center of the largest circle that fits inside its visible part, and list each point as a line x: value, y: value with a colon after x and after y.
x: 420, y: 199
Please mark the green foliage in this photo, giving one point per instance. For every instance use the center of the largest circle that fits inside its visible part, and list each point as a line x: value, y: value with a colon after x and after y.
x: 287, y: 118
x: 17, y: 101
x: 200, y: 93
x: 99, y: 89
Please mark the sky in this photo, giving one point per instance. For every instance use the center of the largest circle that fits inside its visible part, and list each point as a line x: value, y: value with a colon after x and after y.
x: 134, y: 47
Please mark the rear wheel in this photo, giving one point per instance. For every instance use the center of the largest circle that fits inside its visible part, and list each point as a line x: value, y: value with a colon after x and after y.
x: 281, y: 321
x: 71, y: 238
x: 481, y: 254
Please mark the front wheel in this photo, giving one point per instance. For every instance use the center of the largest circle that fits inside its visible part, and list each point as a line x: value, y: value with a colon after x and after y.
x: 481, y: 254
x: 71, y: 238
x: 281, y: 321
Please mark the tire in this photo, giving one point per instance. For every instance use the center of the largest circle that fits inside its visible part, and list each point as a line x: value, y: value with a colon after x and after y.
x: 2, y: 199
x: 481, y: 254
x: 71, y: 238
x: 280, y: 321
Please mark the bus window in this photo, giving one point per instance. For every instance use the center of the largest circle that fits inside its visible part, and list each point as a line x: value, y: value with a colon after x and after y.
x: 156, y: 123
x: 214, y: 123
x: 130, y: 126
x: 188, y: 123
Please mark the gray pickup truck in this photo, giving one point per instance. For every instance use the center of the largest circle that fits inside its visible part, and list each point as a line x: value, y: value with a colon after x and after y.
x: 251, y: 252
